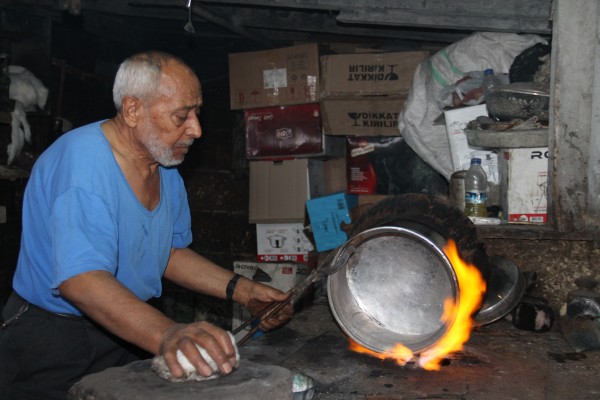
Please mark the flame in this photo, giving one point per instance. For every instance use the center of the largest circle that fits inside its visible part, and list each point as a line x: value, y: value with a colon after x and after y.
x: 471, y: 290
x: 400, y: 353
x: 457, y: 316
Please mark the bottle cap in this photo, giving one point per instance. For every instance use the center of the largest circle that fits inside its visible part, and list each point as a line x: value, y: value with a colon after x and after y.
x: 475, y: 161
x: 488, y: 71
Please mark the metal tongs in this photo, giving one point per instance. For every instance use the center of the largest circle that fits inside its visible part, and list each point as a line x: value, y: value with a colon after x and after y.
x: 332, y: 263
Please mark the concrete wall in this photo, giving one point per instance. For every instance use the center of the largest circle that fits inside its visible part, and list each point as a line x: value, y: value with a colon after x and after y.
x: 557, y: 263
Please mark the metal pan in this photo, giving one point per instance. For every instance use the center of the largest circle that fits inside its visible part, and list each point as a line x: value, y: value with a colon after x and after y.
x: 506, y: 286
x: 392, y: 289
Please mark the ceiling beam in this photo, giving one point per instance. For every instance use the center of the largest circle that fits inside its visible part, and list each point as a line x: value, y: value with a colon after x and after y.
x: 427, y: 19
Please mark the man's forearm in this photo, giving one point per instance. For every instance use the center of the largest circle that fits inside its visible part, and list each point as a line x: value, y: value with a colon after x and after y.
x: 105, y: 300
x: 195, y: 272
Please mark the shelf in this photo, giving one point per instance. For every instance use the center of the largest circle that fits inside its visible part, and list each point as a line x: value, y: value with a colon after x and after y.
x: 514, y: 138
x: 531, y: 232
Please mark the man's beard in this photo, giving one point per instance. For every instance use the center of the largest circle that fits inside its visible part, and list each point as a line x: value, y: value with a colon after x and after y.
x: 161, y: 153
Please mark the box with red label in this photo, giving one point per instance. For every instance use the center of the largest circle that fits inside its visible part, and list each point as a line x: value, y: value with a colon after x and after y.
x: 523, y: 184
x: 387, y: 165
x: 276, y: 77
x: 282, y: 242
x: 366, y: 168
x: 288, y: 131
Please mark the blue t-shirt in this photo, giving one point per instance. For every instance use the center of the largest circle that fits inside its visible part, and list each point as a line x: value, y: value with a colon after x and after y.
x: 80, y: 214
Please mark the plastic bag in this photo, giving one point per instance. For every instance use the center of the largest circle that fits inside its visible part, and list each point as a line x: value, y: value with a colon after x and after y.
x: 476, y: 52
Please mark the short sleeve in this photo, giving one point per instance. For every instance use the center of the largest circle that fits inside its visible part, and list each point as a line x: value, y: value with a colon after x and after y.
x: 83, y: 234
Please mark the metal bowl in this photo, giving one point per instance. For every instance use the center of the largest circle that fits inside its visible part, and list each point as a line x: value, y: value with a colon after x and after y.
x: 506, y: 286
x: 392, y: 289
x: 518, y: 100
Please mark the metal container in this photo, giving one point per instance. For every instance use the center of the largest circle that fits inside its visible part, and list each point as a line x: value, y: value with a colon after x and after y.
x: 519, y: 100
x: 392, y: 289
x: 457, y: 189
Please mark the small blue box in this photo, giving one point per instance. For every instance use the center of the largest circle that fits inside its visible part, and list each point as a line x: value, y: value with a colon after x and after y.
x: 326, y: 215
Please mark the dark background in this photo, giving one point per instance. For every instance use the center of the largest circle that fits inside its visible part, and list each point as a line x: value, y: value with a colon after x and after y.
x: 76, y: 52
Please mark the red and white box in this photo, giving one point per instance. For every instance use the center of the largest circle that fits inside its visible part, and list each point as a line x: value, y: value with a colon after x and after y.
x: 282, y: 243
x: 285, y: 131
x: 365, y: 163
x: 523, y: 184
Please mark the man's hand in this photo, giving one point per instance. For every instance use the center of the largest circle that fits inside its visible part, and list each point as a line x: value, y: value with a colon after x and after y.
x: 214, y: 340
x: 255, y: 296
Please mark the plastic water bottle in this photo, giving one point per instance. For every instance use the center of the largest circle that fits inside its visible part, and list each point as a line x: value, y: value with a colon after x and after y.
x: 475, y: 190
x: 489, y: 82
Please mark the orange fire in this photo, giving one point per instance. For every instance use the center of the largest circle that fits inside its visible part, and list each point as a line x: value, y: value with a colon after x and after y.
x: 399, y: 352
x: 457, y: 317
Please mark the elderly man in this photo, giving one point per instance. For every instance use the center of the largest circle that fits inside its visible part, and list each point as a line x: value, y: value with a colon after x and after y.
x: 105, y: 217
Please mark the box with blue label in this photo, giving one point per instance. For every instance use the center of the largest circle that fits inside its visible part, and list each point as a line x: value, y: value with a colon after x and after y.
x: 326, y: 216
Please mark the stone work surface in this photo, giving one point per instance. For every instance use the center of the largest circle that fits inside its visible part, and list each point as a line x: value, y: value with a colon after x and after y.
x: 499, y: 362
x: 137, y: 381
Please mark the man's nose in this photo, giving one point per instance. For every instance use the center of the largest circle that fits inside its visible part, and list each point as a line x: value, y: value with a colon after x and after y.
x: 194, y: 129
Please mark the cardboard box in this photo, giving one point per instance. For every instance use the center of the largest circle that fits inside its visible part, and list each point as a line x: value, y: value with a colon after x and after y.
x: 326, y: 216
x: 523, y: 184
x: 280, y: 276
x: 362, y: 116
x: 387, y: 165
x: 460, y: 151
x: 288, y: 131
x: 366, y: 163
x: 278, y: 191
x: 282, y: 242
x: 369, y: 74
x: 277, y: 77
x: 327, y: 176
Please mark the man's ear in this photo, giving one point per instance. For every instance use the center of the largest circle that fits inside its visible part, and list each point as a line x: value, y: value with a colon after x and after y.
x: 131, y: 108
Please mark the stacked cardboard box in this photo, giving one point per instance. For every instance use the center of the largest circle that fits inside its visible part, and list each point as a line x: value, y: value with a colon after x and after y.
x: 299, y: 110
x: 278, y: 77
x: 278, y: 90
x: 363, y: 94
x: 291, y: 159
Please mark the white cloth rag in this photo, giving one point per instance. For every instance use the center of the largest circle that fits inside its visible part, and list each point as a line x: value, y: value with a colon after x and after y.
x: 190, y: 374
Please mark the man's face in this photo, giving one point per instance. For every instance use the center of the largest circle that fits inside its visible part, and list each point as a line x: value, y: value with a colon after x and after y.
x: 171, y: 124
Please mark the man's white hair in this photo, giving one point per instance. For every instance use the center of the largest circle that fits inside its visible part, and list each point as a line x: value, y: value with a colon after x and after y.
x: 139, y: 76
